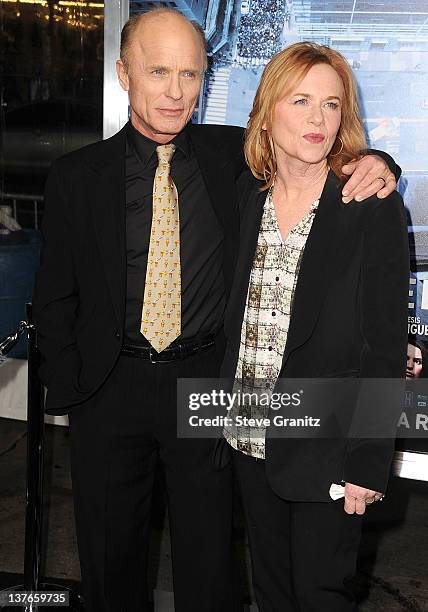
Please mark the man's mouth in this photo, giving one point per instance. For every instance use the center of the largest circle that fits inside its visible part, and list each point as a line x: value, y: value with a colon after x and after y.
x: 170, y: 112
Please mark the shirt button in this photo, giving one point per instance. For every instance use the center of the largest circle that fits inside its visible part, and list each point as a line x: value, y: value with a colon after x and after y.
x: 117, y: 335
x: 273, y: 313
x: 270, y: 348
x: 277, y: 279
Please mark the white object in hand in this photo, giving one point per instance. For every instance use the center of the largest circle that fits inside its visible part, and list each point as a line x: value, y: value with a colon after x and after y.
x: 336, y: 491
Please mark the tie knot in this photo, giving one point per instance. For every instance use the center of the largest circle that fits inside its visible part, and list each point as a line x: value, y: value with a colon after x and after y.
x: 165, y: 152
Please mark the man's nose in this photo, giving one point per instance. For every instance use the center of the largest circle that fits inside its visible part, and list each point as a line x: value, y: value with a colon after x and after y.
x: 175, y: 90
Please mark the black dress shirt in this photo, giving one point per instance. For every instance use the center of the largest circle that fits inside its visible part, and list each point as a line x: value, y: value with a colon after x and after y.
x: 201, y: 238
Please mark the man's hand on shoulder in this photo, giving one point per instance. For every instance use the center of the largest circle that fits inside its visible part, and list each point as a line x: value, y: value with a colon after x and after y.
x: 370, y: 175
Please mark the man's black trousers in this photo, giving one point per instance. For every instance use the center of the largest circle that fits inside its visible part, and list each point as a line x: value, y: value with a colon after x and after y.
x: 117, y: 437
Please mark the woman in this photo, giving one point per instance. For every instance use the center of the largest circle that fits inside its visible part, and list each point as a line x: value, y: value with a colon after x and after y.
x: 416, y: 356
x: 320, y: 291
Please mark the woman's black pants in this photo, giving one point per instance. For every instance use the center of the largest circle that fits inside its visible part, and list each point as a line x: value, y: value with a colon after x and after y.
x: 303, y: 553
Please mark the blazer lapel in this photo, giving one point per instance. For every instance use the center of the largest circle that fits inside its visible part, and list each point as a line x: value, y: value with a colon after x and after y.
x: 318, y: 265
x: 218, y: 174
x: 109, y: 218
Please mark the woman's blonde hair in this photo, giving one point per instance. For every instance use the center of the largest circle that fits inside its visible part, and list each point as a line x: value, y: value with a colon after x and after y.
x: 282, y: 74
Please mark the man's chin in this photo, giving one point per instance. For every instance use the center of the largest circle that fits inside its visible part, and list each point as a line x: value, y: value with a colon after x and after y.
x: 162, y: 130
x: 171, y: 129
x: 170, y: 125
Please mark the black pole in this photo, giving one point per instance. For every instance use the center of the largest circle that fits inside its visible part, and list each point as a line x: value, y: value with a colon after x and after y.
x: 35, y: 436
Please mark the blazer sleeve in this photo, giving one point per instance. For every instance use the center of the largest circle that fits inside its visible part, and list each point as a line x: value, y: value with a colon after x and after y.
x: 384, y: 303
x: 55, y: 297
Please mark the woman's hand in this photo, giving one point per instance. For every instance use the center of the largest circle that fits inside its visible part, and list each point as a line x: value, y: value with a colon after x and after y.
x: 369, y: 175
x: 357, y: 498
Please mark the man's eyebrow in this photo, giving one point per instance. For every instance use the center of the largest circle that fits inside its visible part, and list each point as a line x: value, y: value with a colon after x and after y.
x: 157, y: 67
x: 192, y: 69
x: 168, y: 68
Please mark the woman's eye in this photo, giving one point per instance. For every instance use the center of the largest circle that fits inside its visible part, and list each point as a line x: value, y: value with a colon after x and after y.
x: 300, y: 101
x: 333, y: 105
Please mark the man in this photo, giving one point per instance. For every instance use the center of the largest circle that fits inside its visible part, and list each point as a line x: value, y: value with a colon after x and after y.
x: 122, y: 313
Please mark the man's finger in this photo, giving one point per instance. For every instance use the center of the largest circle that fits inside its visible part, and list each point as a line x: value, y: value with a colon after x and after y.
x: 368, y: 179
x: 360, y: 506
x: 363, y: 177
x: 351, y: 186
x: 372, y: 189
x: 349, y: 167
x: 366, y: 183
x: 389, y: 187
x: 367, y: 169
x: 377, y: 186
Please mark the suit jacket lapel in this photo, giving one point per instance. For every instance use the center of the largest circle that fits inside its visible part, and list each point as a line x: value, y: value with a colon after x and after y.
x: 109, y: 218
x: 252, y: 212
x: 218, y: 174
x: 319, y: 261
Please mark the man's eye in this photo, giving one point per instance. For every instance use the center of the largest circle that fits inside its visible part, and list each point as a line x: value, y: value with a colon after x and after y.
x: 158, y: 71
x: 190, y: 74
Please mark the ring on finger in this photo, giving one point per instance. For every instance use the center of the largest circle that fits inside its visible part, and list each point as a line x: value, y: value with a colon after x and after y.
x: 382, y: 179
x: 370, y: 501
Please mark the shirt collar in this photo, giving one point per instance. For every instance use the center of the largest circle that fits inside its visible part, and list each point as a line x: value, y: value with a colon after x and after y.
x: 145, y: 147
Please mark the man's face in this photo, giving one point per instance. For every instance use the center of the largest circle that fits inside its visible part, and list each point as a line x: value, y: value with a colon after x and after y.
x: 414, y: 362
x: 165, y: 68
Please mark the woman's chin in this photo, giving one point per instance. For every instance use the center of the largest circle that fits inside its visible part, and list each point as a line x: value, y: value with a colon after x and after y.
x: 313, y: 160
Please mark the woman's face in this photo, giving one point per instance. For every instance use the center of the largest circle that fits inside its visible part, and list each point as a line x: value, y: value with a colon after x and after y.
x: 305, y: 122
x: 414, y: 362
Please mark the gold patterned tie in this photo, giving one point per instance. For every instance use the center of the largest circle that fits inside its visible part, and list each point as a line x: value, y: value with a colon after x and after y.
x: 161, y: 314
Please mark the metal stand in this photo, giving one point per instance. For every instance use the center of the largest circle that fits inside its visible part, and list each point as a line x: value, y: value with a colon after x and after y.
x: 34, y: 488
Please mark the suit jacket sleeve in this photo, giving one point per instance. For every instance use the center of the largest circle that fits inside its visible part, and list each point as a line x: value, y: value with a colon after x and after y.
x: 55, y: 296
x: 384, y: 290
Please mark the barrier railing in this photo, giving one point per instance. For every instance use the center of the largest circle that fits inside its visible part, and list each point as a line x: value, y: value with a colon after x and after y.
x: 33, y: 592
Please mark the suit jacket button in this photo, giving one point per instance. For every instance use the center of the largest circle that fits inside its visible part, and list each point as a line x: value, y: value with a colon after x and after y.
x: 117, y: 335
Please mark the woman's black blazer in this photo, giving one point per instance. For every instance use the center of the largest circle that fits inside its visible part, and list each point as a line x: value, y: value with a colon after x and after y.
x: 349, y: 318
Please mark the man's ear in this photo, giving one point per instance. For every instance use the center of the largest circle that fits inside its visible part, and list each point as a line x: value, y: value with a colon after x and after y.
x: 122, y: 75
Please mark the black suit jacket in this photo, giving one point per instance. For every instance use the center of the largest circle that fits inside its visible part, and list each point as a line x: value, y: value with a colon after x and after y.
x: 349, y: 318
x: 79, y: 298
